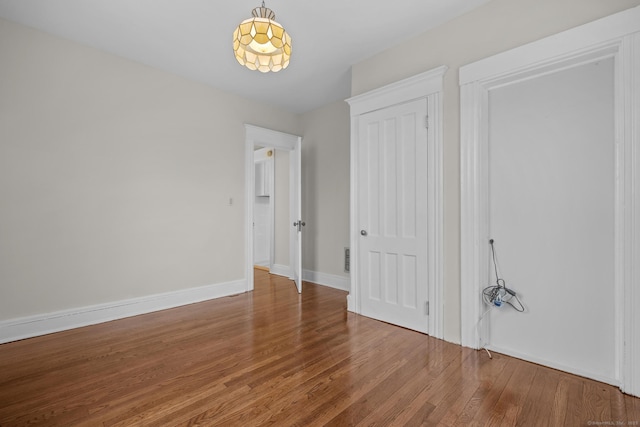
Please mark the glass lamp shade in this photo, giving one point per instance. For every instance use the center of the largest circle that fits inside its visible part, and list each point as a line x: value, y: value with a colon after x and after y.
x: 260, y: 43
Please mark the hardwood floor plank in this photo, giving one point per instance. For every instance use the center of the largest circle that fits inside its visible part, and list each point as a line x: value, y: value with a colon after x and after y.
x: 386, y: 390
x: 477, y: 384
x: 561, y: 397
x: 596, y: 402
x: 462, y: 389
x: 513, y: 396
x: 492, y: 408
x: 274, y: 357
x: 632, y: 405
x: 541, y: 396
x: 618, y: 409
x: 574, y: 412
x: 413, y: 403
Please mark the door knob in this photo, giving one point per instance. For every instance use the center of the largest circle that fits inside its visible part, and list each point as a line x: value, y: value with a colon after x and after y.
x: 363, y: 232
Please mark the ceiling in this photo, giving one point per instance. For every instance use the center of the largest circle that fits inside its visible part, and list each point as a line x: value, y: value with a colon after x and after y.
x: 193, y: 38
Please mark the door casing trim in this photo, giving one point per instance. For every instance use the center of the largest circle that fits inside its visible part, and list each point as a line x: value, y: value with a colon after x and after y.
x: 617, y: 37
x: 427, y: 85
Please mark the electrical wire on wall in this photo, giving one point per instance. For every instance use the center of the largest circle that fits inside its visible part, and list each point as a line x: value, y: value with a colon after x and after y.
x: 498, y: 295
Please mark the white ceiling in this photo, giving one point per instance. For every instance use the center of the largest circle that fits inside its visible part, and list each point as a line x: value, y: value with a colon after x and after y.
x: 193, y: 38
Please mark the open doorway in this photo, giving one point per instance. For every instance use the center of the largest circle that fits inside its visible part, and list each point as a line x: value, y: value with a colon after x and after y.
x: 271, y: 211
x: 263, y: 208
x: 285, y: 216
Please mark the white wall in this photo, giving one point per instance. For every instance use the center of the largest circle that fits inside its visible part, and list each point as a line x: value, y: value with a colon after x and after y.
x: 551, y: 214
x: 325, y: 183
x: 282, y: 223
x: 114, y: 177
x: 492, y: 28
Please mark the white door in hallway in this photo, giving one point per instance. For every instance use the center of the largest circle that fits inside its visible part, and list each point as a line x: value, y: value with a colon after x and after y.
x: 392, y: 178
x: 295, y: 159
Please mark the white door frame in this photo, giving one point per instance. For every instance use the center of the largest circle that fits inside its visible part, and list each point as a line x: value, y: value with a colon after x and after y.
x: 255, y: 135
x: 617, y: 37
x: 427, y: 85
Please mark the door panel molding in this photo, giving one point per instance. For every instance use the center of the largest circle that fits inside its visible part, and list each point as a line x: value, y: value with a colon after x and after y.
x: 617, y: 37
x: 393, y: 263
x: 427, y: 85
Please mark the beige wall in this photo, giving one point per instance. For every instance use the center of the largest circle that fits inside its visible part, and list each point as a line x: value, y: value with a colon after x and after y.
x: 325, y: 188
x: 495, y: 27
x: 114, y: 177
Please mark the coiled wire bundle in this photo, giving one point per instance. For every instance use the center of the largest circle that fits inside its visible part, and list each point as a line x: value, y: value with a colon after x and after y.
x: 498, y: 294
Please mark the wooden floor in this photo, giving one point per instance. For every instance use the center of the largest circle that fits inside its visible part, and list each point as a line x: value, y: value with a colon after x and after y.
x: 272, y: 357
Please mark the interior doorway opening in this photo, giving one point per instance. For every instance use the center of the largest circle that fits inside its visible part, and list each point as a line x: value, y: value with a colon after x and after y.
x: 285, y: 216
x: 263, y: 208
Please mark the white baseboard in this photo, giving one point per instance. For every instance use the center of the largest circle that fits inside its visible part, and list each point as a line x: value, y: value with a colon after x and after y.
x: 42, y: 324
x: 280, y: 270
x: 350, y: 304
x: 324, y: 279
x: 554, y: 365
x: 330, y: 280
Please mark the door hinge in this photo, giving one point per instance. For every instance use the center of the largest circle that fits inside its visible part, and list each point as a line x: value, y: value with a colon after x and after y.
x: 426, y: 308
x: 426, y: 121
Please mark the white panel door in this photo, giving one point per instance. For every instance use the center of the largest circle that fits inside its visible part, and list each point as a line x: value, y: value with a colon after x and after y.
x: 392, y: 169
x: 295, y: 159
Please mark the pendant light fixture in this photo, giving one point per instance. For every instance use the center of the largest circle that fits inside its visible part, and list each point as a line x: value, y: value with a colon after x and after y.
x: 260, y: 43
